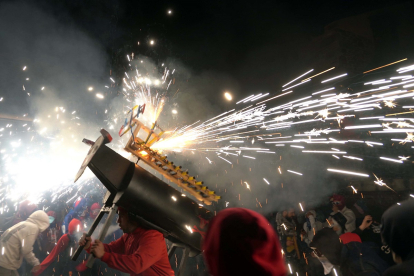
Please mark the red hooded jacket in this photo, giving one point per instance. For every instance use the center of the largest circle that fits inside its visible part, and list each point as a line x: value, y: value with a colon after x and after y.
x: 241, y: 242
x: 62, y: 244
x: 142, y: 253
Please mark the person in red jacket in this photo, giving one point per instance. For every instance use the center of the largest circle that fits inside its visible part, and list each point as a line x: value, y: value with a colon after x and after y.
x: 242, y: 242
x: 139, y: 252
x: 61, y: 247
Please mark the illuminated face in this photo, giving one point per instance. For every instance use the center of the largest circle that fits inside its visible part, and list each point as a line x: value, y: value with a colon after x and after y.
x: 335, y: 206
x: 124, y: 222
x: 82, y: 213
x: 94, y: 213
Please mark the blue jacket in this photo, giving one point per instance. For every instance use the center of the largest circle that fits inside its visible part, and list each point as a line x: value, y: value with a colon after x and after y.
x: 77, y: 212
x: 358, y: 259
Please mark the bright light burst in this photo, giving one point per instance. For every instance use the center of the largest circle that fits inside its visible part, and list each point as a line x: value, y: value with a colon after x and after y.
x: 313, y: 125
x: 228, y: 96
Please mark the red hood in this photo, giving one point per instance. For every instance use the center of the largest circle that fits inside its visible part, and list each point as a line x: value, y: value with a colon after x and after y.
x: 339, y: 200
x: 95, y: 208
x: 73, y: 226
x: 350, y: 237
x: 26, y: 208
x: 241, y: 242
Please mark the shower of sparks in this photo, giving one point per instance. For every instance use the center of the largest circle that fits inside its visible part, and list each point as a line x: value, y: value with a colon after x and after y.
x: 297, y: 78
x: 389, y: 104
x: 327, y: 122
x: 404, y: 158
x: 340, y: 76
x: 408, y: 139
x: 228, y: 96
x: 348, y: 172
x: 354, y: 190
x: 247, y: 185
x: 391, y: 159
x: 225, y: 160
x: 381, y: 183
x: 294, y: 172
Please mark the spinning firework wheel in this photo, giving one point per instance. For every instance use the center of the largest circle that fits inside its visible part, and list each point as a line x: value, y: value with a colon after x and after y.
x: 141, y: 149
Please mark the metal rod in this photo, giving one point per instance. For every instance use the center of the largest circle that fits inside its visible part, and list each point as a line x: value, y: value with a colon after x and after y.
x: 90, y: 232
x: 103, y: 232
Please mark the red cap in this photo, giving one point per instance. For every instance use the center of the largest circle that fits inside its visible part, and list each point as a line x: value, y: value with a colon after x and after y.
x: 77, y: 202
x: 95, y: 208
x: 73, y: 226
x: 350, y: 237
x: 242, y: 242
x: 51, y: 214
x: 26, y: 208
x: 122, y: 210
x: 338, y: 200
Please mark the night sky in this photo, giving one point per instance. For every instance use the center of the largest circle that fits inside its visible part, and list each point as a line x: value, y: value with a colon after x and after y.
x: 256, y: 44
x: 243, y: 47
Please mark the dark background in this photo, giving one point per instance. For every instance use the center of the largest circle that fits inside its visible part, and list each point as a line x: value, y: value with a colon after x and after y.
x: 259, y: 45
x: 244, y: 47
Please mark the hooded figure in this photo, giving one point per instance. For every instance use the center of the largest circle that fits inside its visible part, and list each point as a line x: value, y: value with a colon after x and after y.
x: 339, y: 223
x: 64, y: 248
x: 241, y: 242
x: 18, y: 241
x: 311, y: 226
x: 79, y: 211
x: 95, y: 209
x: 338, y: 203
x: 49, y: 238
x: 398, y: 233
x: 349, y: 253
x: 26, y: 208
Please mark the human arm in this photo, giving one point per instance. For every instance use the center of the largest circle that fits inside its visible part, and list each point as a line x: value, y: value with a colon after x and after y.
x: 66, y: 221
x: 312, y: 220
x: 148, y: 252
x: 365, y: 223
x: 27, y: 249
x: 358, y: 231
x: 60, y: 246
x: 85, y: 241
x: 117, y: 246
x: 350, y: 220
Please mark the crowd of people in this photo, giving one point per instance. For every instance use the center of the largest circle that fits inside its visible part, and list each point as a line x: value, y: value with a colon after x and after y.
x: 348, y: 241
x: 39, y: 240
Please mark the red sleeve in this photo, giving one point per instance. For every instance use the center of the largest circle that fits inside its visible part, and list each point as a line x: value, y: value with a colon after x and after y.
x: 59, y: 247
x: 148, y: 253
x: 117, y: 246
